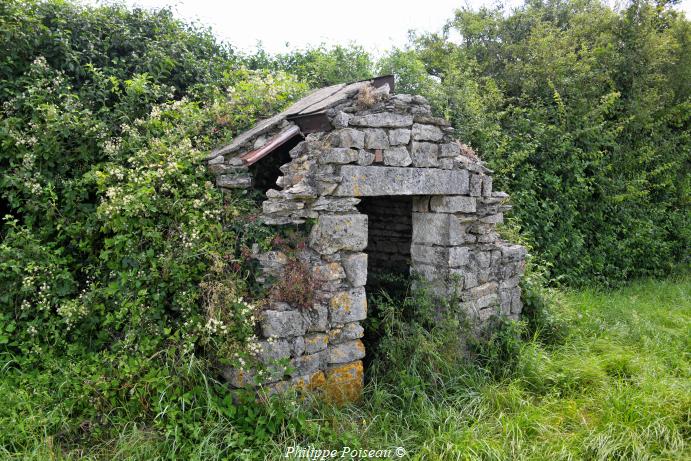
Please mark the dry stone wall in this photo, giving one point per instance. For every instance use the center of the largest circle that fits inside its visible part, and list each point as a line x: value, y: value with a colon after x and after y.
x: 390, y: 149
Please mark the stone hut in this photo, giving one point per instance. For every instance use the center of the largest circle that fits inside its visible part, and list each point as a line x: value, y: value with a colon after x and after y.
x: 383, y: 186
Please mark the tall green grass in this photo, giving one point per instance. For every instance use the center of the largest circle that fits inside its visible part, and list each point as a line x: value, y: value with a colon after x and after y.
x: 616, y: 386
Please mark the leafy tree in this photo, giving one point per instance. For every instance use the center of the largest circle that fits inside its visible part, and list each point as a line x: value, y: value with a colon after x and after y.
x: 584, y: 114
x: 318, y: 66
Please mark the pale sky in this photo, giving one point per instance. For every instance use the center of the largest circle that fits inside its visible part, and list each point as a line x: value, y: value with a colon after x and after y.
x: 375, y: 24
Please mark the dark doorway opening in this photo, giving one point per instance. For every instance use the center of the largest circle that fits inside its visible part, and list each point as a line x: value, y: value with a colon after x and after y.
x: 390, y: 231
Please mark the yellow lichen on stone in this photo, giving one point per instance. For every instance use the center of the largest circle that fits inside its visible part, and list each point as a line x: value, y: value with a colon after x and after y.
x: 341, y: 301
x: 344, y: 383
x: 314, y: 381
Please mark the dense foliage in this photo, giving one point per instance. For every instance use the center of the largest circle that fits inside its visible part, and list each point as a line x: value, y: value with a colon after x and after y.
x: 113, y: 258
x: 584, y: 115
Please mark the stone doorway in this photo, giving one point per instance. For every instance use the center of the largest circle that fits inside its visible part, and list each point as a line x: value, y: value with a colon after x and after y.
x: 389, y: 233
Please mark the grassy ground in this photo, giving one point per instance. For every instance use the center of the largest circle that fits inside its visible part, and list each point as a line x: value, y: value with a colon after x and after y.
x: 618, y: 386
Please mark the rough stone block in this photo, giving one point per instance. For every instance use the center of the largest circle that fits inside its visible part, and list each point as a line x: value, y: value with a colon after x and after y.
x: 344, y: 383
x: 219, y: 159
x: 485, y: 313
x: 382, y: 120
x: 426, y: 132
x: 424, y: 154
x: 309, y: 382
x: 475, y: 185
x: 432, y: 255
x: 371, y: 181
x: 512, y: 252
x: 364, y: 157
x: 348, y: 332
x: 348, y: 137
x: 272, y: 206
x: 274, y: 350
x: 340, y: 120
x: 421, y: 204
x: 446, y: 163
x: 399, y: 137
x: 482, y: 290
x: 487, y: 186
x: 308, y: 364
x: 469, y: 277
x: 316, y: 342
x: 376, y: 138
x: 297, y: 346
x: 505, y: 302
x: 335, y: 205
x: 482, y: 258
x: 339, y: 156
x: 510, y: 283
x: 317, y: 318
x: 234, y: 181
x: 516, y: 304
x: 449, y: 150
x: 334, y: 233
x: 397, y: 156
x: 355, y: 266
x: 488, y: 300
x: 346, y: 352
x: 281, y: 324
x: 328, y: 272
x: 454, y: 204
x: 458, y: 256
x: 348, y: 306
x: 493, y: 219
x: 437, y: 229
x: 237, y: 377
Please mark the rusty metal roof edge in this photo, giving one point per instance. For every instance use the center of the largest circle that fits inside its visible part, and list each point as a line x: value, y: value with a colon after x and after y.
x: 253, y: 156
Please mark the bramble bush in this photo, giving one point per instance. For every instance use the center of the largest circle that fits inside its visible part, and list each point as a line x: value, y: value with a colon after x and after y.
x: 117, y: 280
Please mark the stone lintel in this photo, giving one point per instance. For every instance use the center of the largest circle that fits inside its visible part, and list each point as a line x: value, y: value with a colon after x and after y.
x: 372, y: 181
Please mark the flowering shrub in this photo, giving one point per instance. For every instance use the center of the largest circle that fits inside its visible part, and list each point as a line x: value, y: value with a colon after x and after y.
x: 112, y: 234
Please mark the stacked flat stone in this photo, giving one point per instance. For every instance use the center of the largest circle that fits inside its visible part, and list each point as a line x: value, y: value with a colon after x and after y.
x: 394, y: 148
